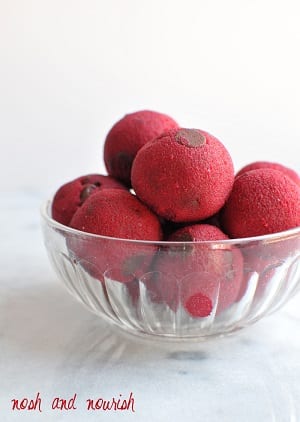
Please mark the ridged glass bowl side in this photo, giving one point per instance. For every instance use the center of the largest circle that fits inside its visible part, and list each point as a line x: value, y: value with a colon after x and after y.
x: 150, y: 296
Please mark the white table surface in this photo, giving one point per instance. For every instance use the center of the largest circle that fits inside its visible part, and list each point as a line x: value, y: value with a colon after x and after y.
x: 50, y: 344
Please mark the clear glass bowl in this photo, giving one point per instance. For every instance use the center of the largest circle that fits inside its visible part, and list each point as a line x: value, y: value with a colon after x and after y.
x: 182, y: 290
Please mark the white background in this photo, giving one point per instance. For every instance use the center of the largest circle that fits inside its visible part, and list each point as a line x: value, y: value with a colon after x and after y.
x: 71, y: 68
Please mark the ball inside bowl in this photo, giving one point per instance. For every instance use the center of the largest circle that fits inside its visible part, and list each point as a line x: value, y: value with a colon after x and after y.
x: 120, y: 215
x: 135, y: 308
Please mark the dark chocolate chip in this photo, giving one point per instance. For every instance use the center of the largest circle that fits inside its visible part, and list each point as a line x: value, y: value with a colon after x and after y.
x: 86, y: 191
x: 183, y: 249
x: 184, y: 237
x: 190, y: 137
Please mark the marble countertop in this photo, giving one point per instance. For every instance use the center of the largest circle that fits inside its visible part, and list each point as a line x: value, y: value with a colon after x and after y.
x: 52, y: 349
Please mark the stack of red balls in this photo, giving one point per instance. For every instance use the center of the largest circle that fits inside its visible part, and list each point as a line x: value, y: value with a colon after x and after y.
x: 176, y: 184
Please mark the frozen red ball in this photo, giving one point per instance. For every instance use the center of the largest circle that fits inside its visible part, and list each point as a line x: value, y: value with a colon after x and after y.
x: 275, y: 166
x: 120, y: 215
x: 72, y: 195
x: 267, y: 264
x: 184, y: 175
x: 197, y: 275
x: 262, y: 201
x: 128, y: 135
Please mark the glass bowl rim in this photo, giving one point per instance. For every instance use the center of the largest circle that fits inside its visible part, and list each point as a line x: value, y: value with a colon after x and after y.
x: 45, y: 211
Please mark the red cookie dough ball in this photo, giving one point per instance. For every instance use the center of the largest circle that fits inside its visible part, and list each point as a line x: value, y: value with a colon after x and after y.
x: 197, y: 275
x: 128, y: 135
x: 266, y: 264
x: 185, y: 175
x: 118, y: 214
x: 262, y: 201
x: 275, y: 166
x: 72, y: 195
